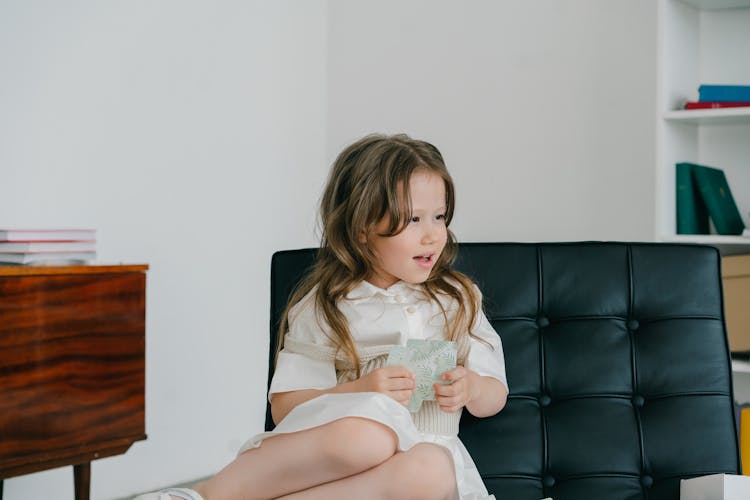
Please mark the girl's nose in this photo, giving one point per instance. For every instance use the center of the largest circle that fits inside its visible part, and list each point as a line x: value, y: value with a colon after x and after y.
x: 430, y: 235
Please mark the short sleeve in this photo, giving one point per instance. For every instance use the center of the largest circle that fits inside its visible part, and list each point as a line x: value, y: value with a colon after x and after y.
x: 305, y: 361
x: 487, y: 359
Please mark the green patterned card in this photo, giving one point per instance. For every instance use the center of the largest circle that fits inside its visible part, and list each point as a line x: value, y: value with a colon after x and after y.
x: 428, y: 360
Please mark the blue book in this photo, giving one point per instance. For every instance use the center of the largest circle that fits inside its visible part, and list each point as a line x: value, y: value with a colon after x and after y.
x: 724, y: 93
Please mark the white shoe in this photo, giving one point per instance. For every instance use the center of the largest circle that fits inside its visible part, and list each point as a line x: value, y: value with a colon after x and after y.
x: 170, y: 493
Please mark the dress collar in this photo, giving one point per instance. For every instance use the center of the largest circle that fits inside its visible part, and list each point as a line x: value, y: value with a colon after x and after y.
x: 366, y: 290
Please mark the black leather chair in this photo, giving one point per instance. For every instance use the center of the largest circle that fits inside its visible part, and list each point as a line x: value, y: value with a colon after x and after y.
x: 617, y: 361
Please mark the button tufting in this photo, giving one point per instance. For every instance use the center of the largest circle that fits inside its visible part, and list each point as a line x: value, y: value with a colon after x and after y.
x: 639, y: 400
x: 545, y: 400
x: 633, y: 324
x: 399, y: 298
x: 647, y: 481
x: 411, y: 309
x: 548, y: 481
x: 542, y: 322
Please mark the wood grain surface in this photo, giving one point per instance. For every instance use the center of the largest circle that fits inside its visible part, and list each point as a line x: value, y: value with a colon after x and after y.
x: 72, y: 371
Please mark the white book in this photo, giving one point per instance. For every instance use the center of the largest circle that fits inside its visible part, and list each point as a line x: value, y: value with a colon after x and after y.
x: 47, y: 246
x: 47, y: 258
x: 47, y: 234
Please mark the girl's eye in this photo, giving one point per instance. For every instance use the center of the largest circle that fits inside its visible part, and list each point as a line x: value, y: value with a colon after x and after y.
x: 440, y: 217
x: 414, y: 219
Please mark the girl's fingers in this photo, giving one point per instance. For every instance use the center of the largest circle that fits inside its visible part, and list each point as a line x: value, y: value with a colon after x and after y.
x: 398, y: 371
x: 451, y: 401
x: 455, y: 374
x: 449, y: 390
x: 402, y: 397
x: 451, y: 398
x: 389, y: 378
x: 443, y: 390
x: 397, y: 384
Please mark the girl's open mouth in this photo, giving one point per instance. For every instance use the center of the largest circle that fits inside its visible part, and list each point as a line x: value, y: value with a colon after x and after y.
x: 426, y: 260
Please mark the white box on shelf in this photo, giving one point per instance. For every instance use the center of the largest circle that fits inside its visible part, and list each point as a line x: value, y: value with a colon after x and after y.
x: 715, y: 487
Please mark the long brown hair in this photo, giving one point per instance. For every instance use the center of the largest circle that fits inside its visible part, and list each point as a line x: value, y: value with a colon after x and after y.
x: 369, y: 181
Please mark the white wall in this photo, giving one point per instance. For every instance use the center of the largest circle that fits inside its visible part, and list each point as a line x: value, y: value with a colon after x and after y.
x: 196, y: 135
x: 191, y: 135
x: 544, y: 109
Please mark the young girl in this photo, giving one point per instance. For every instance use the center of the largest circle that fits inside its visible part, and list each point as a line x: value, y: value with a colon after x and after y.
x: 383, y: 275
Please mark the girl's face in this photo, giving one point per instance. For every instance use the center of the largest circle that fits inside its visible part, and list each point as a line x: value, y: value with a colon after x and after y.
x: 410, y: 255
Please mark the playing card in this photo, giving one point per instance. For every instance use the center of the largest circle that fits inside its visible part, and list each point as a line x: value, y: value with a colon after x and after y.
x: 428, y: 360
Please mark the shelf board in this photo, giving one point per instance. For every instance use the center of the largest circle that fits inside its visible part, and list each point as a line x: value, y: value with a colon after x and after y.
x: 740, y: 366
x: 709, y: 239
x: 717, y: 4
x: 727, y: 245
x: 721, y: 116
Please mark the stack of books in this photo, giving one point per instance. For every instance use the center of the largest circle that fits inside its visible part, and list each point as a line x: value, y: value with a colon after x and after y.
x: 47, y: 246
x: 721, y: 96
x: 703, y: 192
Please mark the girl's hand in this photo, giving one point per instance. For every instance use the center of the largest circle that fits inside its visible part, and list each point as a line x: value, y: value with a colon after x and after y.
x: 463, y: 388
x: 396, y: 382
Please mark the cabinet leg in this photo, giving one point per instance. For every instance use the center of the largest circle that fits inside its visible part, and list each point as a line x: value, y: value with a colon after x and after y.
x: 82, y: 479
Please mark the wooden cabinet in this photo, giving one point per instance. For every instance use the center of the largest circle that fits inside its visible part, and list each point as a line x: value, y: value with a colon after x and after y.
x: 72, y: 366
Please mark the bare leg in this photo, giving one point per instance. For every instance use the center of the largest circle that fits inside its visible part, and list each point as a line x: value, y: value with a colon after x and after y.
x: 423, y: 472
x: 302, y: 460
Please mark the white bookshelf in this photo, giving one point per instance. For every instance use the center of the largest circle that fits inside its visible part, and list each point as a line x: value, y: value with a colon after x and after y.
x: 702, y: 42
x: 724, y: 116
x: 729, y: 245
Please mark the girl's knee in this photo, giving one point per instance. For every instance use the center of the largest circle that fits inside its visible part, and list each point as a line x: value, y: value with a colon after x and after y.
x: 357, y: 444
x: 429, y: 472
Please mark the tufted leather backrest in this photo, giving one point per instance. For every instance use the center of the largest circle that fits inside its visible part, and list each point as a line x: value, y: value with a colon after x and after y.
x: 617, y: 362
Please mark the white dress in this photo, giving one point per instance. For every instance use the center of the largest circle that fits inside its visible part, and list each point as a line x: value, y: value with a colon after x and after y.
x: 378, y: 320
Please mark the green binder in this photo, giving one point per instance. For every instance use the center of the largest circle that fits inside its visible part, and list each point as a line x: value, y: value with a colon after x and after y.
x: 713, y: 188
x: 692, y: 215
